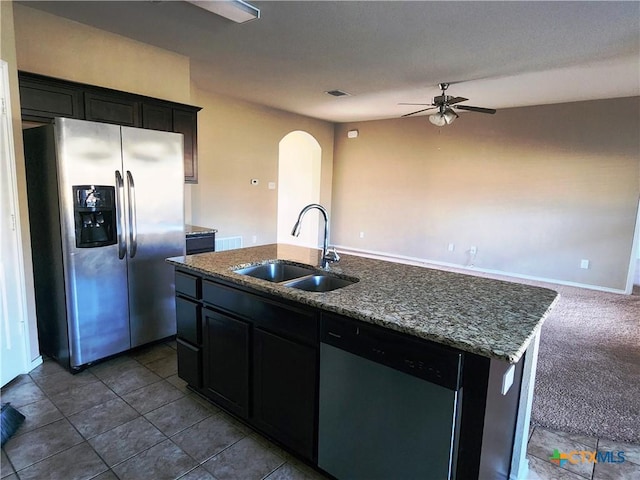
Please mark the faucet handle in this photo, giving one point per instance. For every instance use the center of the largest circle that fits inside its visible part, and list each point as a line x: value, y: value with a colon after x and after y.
x: 332, y: 255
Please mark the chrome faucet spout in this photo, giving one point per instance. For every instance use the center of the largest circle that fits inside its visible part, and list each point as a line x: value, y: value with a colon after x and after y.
x: 326, y: 255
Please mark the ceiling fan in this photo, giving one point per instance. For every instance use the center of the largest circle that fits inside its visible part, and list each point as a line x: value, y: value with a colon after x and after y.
x: 445, y: 105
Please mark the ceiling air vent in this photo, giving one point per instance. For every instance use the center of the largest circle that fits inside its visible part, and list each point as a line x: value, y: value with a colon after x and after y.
x: 338, y: 93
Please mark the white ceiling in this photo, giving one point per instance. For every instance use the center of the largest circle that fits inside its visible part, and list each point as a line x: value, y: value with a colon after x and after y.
x: 497, y: 54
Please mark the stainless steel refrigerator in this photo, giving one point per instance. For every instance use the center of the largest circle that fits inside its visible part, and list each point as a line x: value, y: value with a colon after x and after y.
x: 106, y: 208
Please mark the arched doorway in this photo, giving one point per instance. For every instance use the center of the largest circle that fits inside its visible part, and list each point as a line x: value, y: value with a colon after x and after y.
x: 298, y: 185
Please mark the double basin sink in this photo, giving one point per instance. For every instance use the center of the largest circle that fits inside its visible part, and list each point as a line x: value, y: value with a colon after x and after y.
x: 296, y: 276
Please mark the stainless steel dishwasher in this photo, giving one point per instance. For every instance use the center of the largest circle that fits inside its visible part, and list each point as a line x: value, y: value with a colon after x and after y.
x: 388, y: 404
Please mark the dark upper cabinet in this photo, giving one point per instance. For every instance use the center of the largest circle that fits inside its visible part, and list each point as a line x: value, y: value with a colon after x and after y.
x: 186, y: 122
x: 120, y: 109
x: 157, y: 117
x: 41, y: 101
x: 44, y: 98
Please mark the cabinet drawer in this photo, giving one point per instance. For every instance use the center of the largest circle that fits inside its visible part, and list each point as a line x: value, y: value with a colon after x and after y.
x: 291, y: 322
x: 188, y: 285
x: 189, y: 363
x: 188, y: 321
x: 200, y: 244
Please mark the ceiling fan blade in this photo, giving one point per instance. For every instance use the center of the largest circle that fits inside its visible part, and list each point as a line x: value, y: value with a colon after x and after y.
x: 419, y: 111
x: 476, y: 109
x: 415, y: 104
x: 457, y: 100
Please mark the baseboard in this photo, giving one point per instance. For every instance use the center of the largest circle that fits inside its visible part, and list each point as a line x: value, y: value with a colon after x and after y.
x: 36, y: 362
x: 423, y: 262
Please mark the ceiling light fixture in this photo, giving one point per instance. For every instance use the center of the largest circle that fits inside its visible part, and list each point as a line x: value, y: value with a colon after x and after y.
x: 235, y: 10
x: 446, y: 116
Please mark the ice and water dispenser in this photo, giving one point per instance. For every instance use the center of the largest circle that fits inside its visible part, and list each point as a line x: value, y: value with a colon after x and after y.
x: 94, y: 211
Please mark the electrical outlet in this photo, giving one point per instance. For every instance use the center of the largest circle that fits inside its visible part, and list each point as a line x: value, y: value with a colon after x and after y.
x: 584, y: 263
x: 451, y: 247
x: 473, y: 250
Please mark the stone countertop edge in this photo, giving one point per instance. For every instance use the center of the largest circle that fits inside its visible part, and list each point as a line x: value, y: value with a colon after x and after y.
x: 492, y: 318
x: 194, y: 230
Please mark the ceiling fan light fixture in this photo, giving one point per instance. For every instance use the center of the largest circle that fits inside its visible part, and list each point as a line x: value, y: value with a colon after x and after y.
x: 449, y: 116
x: 445, y: 117
x: 437, y: 119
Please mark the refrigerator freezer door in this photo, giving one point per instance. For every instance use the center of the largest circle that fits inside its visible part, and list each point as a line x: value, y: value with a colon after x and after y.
x: 154, y: 180
x: 95, y: 279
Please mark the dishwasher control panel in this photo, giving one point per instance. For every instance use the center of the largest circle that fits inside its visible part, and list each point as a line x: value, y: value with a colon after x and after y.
x: 427, y: 360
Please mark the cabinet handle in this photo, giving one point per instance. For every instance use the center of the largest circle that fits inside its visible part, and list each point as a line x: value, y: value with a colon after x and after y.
x: 334, y: 334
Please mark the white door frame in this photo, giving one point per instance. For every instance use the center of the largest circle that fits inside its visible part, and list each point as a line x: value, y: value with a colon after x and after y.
x: 635, y: 254
x: 13, y: 306
x: 299, y: 170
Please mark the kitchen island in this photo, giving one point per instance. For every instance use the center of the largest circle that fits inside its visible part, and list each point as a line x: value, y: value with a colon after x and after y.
x: 492, y: 326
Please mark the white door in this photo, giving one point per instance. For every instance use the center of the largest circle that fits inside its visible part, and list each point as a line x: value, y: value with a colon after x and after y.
x: 13, y: 336
x: 298, y: 186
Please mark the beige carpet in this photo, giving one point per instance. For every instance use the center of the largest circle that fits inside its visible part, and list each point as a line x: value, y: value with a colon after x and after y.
x: 588, y: 378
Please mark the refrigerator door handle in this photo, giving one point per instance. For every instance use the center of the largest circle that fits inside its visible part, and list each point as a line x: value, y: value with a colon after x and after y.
x: 122, y: 245
x: 133, y: 232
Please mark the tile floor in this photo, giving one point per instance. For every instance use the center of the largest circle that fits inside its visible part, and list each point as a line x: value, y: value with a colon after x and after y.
x: 133, y: 418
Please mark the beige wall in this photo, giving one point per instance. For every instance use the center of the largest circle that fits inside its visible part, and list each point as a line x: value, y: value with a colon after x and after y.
x: 62, y: 48
x: 238, y: 141
x: 8, y: 54
x: 535, y: 189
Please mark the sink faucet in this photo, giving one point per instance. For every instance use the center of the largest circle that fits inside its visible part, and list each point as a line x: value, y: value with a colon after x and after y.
x: 327, y: 256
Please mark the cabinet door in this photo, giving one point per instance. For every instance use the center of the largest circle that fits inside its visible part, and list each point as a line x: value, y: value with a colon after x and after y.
x: 157, y: 117
x: 189, y: 363
x: 118, y: 109
x: 42, y: 101
x: 186, y: 123
x: 284, y: 390
x: 226, y: 361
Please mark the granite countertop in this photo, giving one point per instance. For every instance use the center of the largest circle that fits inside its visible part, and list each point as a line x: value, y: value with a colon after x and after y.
x: 492, y: 318
x: 194, y: 230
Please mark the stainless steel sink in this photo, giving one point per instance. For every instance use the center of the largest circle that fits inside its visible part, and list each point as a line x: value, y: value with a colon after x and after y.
x: 319, y: 283
x: 276, y: 272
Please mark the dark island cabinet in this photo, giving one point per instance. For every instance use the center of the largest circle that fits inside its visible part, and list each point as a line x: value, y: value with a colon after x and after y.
x: 259, y: 357
x: 43, y: 98
x: 284, y: 390
x: 226, y: 361
x: 189, y: 327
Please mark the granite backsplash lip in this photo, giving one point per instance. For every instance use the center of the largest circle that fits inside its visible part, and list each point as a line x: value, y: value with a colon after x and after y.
x: 492, y: 318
